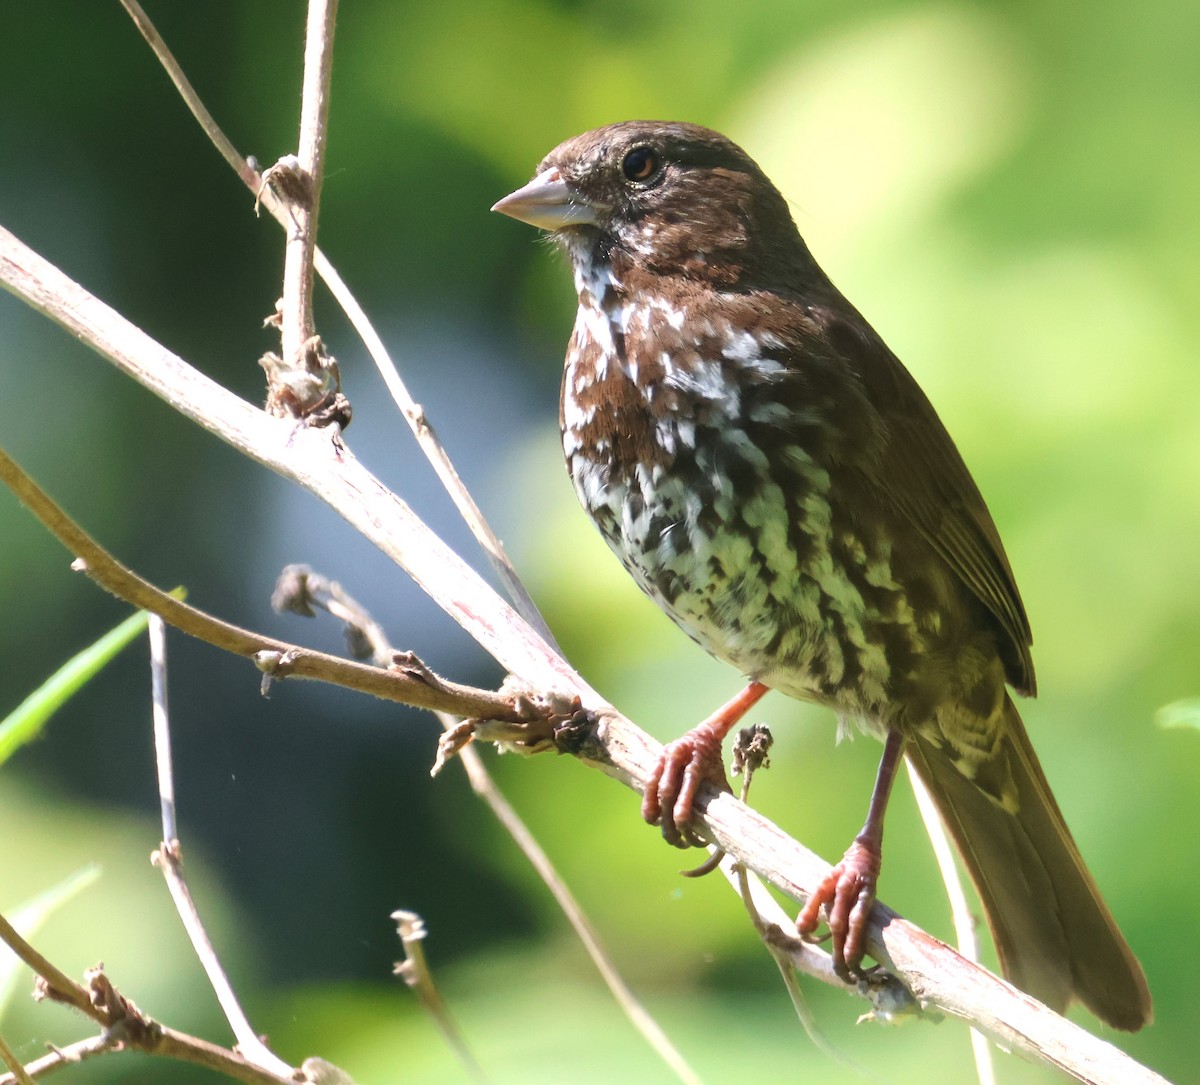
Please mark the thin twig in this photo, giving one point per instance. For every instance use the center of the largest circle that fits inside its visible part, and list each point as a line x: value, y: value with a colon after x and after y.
x: 435, y: 452
x: 248, y: 174
x: 169, y: 859
x: 771, y: 934
x: 484, y: 786
x: 964, y: 922
x: 414, y: 970
x: 414, y: 415
x: 300, y: 588
x: 60, y: 1057
x: 297, y: 328
x: 9, y: 1058
x: 162, y: 729
x: 249, y: 1046
x: 278, y: 658
x: 751, y: 752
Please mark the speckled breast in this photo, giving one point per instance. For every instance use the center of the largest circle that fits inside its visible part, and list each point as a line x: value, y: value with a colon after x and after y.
x: 699, y: 479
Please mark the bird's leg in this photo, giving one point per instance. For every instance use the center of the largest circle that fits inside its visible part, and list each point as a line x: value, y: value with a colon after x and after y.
x: 688, y: 762
x: 848, y: 890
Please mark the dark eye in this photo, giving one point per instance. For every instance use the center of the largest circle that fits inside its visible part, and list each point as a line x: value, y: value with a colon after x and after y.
x: 641, y: 164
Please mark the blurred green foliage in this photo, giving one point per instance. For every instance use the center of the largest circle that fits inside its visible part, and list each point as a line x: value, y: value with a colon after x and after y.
x: 1006, y: 190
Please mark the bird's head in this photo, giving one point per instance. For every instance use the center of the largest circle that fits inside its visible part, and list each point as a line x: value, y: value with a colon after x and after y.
x: 671, y: 198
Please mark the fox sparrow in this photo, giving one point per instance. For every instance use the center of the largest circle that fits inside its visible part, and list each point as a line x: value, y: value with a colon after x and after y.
x: 773, y: 477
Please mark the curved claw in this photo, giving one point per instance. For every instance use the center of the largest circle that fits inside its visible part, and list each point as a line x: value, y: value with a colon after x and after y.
x: 683, y: 767
x: 848, y: 894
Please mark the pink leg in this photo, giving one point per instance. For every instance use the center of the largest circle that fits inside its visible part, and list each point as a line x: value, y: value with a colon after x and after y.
x: 689, y: 761
x: 848, y: 890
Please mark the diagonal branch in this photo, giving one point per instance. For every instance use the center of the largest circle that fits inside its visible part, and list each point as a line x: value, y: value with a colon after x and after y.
x: 169, y: 859
x: 9, y: 1058
x: 300, y: 589
x: 406, y: 681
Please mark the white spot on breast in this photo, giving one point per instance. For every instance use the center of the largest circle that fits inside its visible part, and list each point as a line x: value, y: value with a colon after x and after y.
x: 593, y: 279
x: 593, y: 325
x: 741, y: 346
x: 591, y: 481
x: 705, y: 379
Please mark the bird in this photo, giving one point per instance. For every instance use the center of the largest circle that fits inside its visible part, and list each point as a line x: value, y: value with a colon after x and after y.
x: 773, y: 477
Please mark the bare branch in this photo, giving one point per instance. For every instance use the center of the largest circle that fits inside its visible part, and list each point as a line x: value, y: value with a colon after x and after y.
x: 169, y: 859
x: 785, y: 950
x: 300, y: 589
x: 162, y: 727
x: 125, y: 1026
x: 249, y: 176
x: 413, y: 414
x: 301, y: 454
x: 9, y: 1058
x: 414, y: 970
x: 484, y: 786
x: 60, y: 1057
x: 405, y: 682
x: 297, y: 314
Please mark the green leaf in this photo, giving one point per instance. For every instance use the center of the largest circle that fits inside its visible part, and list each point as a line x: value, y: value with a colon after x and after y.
x: 26, y: 721
x: 1185, y: 713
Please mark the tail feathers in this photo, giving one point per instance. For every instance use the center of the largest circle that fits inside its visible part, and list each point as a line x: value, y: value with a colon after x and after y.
x: 1054, y: 935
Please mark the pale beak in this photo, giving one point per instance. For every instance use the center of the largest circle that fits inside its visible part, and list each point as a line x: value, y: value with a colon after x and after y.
x: 549, y: 203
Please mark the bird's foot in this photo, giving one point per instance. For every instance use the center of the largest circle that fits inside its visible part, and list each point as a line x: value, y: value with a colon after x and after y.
x: 847, y: 893
x: 688, y: 762
x: 685, y: 764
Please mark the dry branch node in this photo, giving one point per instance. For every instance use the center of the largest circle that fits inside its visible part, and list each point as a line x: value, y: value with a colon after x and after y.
x: 274, y: 665
x: 892, y: 1003
x: 415, y: 669
x: 308, y: 388
x: 293, y: 592
x: 750, y: 752
x: 169, y: 851
x: 290, y: 181
x: 540, y: 721
x: 125, y: 1024
x: 299, y: 589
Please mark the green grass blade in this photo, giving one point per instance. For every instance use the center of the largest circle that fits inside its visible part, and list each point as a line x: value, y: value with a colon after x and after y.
x: 26, y: 721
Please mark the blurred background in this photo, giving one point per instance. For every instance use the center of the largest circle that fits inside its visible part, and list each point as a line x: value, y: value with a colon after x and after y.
x: 1008, y: 191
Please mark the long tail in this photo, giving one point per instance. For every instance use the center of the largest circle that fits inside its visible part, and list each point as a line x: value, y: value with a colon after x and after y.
x: 1054, y: 935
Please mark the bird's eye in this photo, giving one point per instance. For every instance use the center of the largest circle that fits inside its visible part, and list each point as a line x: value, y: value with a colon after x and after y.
x: 641, y: 164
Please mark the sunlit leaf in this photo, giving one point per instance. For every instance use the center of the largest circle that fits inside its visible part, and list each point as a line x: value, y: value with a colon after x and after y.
x: 1185, y: 713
